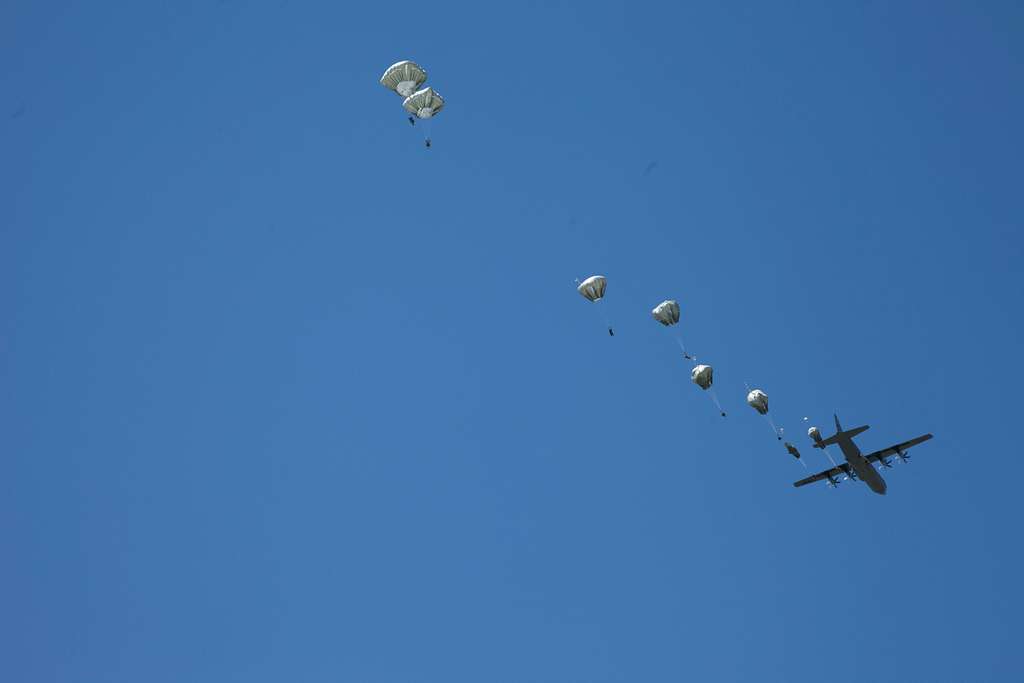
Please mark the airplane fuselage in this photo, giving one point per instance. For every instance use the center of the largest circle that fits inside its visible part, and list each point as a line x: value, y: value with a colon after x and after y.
x: 859, y: 464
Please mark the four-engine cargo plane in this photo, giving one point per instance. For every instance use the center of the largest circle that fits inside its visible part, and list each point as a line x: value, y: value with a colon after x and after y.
x: 859, y: 466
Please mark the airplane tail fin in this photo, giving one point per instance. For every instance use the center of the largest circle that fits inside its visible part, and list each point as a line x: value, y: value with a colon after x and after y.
x: 850, y: 433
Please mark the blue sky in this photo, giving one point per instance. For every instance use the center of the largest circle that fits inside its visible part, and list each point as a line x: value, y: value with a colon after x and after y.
x: 285, y: 396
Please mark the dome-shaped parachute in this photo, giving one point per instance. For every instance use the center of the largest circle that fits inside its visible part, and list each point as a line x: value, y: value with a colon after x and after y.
x: 593, y: 287
x: 702, y: 376
x: 666, y: 313
x: 758, y: 400
x: 424, y: 104
x: 404, y: 78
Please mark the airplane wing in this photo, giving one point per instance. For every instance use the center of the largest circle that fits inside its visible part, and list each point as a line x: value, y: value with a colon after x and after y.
x: 893, y: 450
x: 834, y: 472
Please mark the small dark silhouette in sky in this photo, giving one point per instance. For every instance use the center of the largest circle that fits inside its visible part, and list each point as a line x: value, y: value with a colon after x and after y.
x: 650, y: 168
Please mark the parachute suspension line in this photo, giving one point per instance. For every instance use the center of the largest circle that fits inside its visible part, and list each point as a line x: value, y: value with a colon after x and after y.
x: 778, y: 433
x: 829, y: 456
x: 426, y: 127
x: 682, y: 347
x: 607, y: 320
x: 714, y: 397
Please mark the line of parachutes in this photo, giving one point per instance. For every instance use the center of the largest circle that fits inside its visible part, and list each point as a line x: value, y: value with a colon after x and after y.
x: 406, y: 78
x: 667, y: 313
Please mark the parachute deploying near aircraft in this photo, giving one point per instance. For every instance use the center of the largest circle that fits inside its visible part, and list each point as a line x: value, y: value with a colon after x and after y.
x: 758, y: 400
x: 404, y: 77
x: 667, y: 312
x: 702, y: 376
x: 815, y: 435
x: 792, y: 450
x: 592, y: 289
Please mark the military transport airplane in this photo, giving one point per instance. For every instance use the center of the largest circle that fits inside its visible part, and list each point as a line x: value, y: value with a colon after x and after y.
x: 859, y: 466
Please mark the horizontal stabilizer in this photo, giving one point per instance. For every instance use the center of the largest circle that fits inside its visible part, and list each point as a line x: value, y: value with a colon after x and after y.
x: 849, y: 433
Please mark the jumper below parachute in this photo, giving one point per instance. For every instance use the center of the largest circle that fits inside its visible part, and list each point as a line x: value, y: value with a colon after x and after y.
x: 703, y: 376
x: 667, y: 313
x: 758, y: 400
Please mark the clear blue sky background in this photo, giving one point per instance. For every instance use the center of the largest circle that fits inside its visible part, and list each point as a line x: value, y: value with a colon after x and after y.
x: 286, y: 397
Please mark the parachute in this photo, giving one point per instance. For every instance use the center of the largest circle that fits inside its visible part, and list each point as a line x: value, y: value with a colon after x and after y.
x: 592, y: 289
x: 404, y: 77
x: 424, y: 104
x: 702, y: 376
x: 667, y: 312
x: 758, y: 400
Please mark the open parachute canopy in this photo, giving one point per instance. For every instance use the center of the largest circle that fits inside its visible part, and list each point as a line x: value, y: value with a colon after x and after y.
x: 593, y: 287
x: 424, y: 104
x: 404, y: 78
x: 702, y: 376
x: 667, y: 313
x: 758, y: 400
